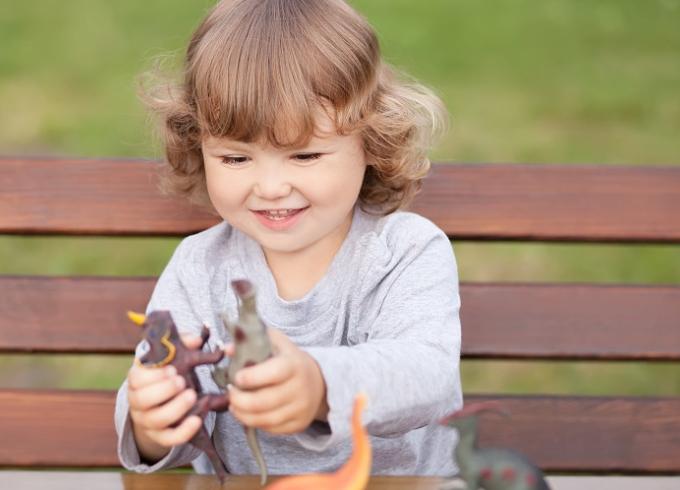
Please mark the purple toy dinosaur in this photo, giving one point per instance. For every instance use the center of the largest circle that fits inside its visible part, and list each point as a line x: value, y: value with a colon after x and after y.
x: 166, y: 347
x: 489, y: 468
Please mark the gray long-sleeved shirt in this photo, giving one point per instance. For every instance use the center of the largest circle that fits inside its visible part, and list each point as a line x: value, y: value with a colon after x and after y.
x: 383, y: 320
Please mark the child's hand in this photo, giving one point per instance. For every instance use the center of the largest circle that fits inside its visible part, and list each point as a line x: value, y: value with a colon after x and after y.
x: 158, y: 399
x: 281, y: 395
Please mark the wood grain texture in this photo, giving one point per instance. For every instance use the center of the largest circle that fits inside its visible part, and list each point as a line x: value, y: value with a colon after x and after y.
x: 90, y: 197
x: 57, y: 428
x: 583, y: 434
x: 570, y: 321
x: 588, y: 434
x: 508, y: 321
x: 113, y: 480
x: 482, y: 201
x: 554, y: 202
x: 70, y: 314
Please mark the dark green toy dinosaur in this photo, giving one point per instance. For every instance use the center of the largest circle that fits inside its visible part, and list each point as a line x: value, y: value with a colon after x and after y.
x: 489, y: 468
x: 251, y: 346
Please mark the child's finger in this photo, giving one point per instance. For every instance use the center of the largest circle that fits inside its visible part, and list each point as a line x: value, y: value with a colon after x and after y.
x: 155, y: 394
x: 260, y: 401
x: 269, y: 419
x: 140, y: 376
x: 192, y: 341
x: 272, y: 371
x: 180, y: 434
x: 168, y: 413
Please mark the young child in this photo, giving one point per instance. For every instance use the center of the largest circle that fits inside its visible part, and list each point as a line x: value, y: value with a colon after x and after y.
x: 291, y: 126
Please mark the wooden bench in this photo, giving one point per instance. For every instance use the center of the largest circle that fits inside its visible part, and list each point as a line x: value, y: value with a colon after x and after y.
x: 581, y: 434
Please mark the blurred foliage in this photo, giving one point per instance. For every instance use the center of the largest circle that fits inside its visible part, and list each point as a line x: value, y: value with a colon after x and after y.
x: 555, y: 81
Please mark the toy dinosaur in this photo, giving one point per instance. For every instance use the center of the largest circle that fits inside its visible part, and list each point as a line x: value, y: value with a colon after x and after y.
x: 251, y: 346
x: 166, y: 347
x: 353, y: 475
x: 489, y: 468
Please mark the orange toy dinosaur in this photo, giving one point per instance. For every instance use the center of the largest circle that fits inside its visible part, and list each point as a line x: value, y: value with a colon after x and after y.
x: 353, y: 475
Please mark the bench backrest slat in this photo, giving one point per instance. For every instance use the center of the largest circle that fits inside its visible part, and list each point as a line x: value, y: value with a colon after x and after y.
x: 87, y: 314
x: 486, y: 202
x: 594, y: 434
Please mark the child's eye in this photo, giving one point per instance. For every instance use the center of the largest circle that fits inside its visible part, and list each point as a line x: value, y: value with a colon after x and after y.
x: 307, y: 157
x: 233, y: 161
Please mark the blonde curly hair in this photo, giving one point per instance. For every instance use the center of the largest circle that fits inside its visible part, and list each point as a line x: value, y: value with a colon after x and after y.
x: 257, y: 70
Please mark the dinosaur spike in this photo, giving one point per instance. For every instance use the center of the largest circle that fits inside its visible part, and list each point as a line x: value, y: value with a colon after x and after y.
x: 136, y: 318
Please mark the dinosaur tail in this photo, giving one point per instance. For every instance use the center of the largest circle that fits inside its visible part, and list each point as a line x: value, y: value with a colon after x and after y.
x: 251, y: 437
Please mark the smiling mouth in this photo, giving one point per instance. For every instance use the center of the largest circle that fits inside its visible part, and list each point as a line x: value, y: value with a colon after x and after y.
x: 279, y: 214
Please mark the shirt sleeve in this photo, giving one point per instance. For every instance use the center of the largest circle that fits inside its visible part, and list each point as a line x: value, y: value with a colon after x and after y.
x: 408, y: 360
x: 169, y: 294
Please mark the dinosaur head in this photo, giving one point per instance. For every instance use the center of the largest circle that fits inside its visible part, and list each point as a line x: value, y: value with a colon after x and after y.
x: 243, y: 287
x: 248, y: 325
x: 161, y: 335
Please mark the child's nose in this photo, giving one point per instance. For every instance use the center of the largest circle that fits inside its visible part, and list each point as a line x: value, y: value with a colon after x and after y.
x: 272, y: 184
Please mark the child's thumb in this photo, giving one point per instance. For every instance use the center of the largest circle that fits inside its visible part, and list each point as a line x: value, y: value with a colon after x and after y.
x: 280, y: 342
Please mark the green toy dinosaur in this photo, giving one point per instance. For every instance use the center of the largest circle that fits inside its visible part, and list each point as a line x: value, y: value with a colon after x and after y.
x: 489, y: 468
x: 251, y: 346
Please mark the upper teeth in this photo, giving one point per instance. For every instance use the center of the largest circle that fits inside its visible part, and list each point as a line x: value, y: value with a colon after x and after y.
x: 279, y: 212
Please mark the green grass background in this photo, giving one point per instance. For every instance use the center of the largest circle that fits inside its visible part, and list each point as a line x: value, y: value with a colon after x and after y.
x: 537, y: 81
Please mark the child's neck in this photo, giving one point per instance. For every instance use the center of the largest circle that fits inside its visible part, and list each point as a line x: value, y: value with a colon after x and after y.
x: 296, y: 273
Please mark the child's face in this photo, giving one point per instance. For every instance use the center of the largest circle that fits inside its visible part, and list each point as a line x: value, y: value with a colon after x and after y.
x: 289, y: 201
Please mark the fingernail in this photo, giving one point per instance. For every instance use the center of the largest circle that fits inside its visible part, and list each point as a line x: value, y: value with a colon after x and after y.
x: 170, y: 371
x: 179, y: 382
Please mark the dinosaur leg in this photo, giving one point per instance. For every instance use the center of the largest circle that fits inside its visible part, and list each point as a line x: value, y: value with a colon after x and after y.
x: 207, y: 403
x: 205, y: 335
x: 197, y: 357
x: 218, y: 403
x: 203, y: 442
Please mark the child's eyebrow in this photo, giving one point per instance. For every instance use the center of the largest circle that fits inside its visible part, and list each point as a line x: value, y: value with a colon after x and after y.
x: 316, y: 142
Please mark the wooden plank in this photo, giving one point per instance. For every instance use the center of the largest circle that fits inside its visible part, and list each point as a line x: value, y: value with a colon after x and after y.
x: 512, y: 321
x: 570, y: 321
x: 90, y: 197
x: 70, y: 314
x: 583, y: 434
x: 554, y: 202
x: 483, y: 201
x: 116, y: 480
x: 57, y: 428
